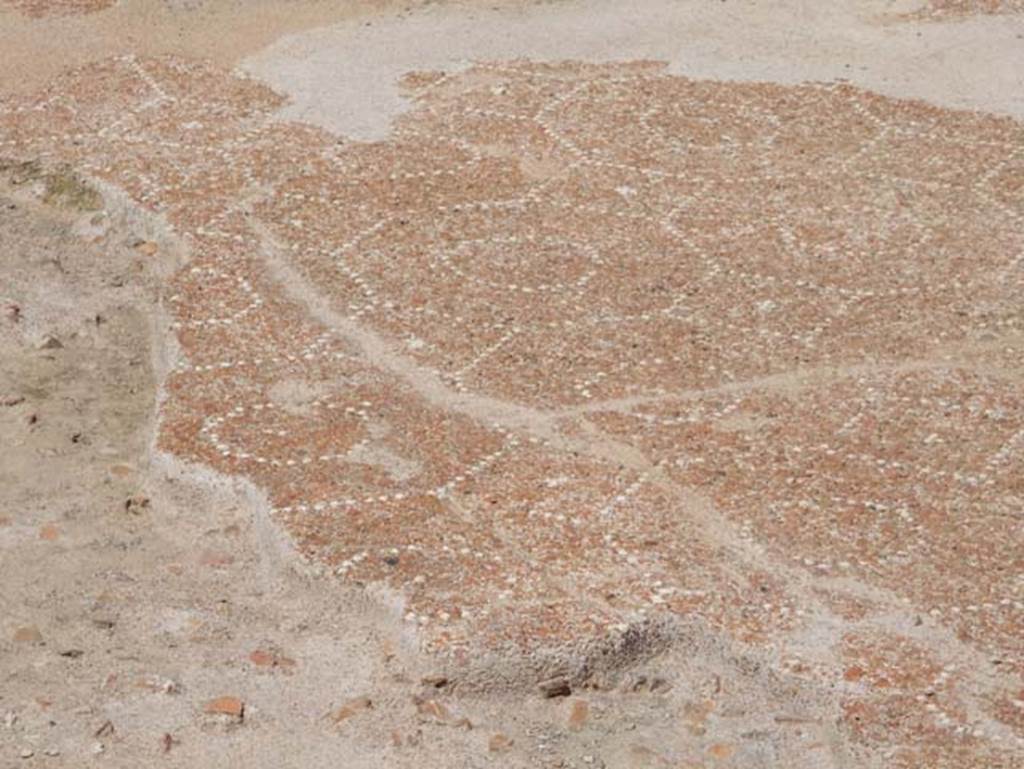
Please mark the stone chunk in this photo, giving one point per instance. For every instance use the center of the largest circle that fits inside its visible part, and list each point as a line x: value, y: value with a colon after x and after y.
x: 350, y: 708
x: 431, y: 709
x: 500, y: 743
x: 227, y: 706
x: 28, y: 634
x: 579, y: 712
x: 555, y: 687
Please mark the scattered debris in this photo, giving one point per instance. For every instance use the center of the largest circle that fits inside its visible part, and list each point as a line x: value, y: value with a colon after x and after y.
x: 107, y: 727
x: 50, y: 342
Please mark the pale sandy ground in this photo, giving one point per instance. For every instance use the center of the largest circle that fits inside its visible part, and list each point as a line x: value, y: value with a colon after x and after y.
x: 345, y: 77
x: 146, y: 611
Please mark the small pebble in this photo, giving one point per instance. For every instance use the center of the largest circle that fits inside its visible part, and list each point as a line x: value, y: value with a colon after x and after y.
x: 499, y: 743
x: 227, y: 706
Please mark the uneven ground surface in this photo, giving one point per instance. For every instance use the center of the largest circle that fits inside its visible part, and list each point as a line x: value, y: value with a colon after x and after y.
x: 554, y: 399
x: 942, y: 8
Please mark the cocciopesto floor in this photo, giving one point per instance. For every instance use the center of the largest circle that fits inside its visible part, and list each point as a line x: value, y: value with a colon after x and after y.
x: 582, y: 350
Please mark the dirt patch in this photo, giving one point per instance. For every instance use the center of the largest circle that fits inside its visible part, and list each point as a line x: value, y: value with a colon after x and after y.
x: 61, y: 187
x: 40, y: 8
x: 944, y: 9
x: 151, y: 613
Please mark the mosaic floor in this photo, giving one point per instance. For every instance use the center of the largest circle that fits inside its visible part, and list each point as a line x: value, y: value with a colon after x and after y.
x: 582, y: 350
